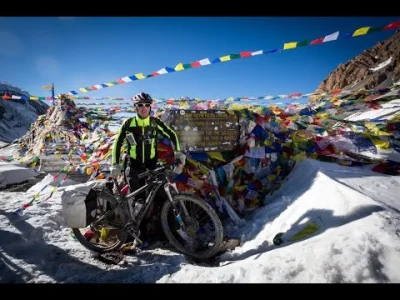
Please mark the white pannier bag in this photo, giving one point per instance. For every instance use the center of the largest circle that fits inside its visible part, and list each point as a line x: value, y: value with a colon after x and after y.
x: 80, y: 202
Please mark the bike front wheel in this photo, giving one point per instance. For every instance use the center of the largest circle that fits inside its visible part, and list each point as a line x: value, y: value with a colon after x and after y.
x: 202, y: 234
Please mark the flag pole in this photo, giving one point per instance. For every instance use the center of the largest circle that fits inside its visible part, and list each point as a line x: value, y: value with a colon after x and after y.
x: 52, y: 92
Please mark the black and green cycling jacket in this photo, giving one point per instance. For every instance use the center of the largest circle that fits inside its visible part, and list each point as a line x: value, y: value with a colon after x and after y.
x: 145, y: 133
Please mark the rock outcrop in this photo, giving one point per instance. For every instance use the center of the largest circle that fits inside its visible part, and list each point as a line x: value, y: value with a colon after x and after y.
x: 374, y: 68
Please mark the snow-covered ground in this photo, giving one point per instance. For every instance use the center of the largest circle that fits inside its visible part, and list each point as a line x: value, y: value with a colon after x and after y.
x: 357, y: 211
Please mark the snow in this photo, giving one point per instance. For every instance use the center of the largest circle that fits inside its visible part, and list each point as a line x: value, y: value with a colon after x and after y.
x: 358, y: 211
x: 386, y: 112
x: 11, y: 174
x: 382, y: 65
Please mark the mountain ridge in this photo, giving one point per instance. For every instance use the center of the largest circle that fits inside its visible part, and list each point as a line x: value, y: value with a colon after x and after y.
x: 17, y: 115
x: 374, y: 68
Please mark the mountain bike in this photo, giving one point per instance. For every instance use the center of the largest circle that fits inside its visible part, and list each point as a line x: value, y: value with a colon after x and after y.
x: 189, y: 223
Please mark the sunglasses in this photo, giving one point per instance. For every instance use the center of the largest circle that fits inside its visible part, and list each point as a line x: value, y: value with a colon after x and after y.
x: 141, y: 105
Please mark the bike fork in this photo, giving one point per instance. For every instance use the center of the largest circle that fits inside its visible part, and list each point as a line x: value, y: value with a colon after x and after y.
x: 177, y: 214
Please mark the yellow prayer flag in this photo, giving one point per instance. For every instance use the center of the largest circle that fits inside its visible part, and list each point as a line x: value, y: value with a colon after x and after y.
x: 225, y: 58
x: 179, y: 67
x: 140, y: 76
x: 216, y: 155
x: 47, y: 87
x: 375, y: 130
x: 289, y: 45
x: 380, y: 144
x: 299, y: 137
x: 322, y: 115
x: 361, y: 31
x: 395, y: 118
x: 202, y: 168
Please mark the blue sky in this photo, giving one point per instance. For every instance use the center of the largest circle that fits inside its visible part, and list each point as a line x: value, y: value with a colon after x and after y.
x: 83, y: 51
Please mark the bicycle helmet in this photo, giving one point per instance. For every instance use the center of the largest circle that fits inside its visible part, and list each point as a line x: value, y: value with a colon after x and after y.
x: 142, y: 98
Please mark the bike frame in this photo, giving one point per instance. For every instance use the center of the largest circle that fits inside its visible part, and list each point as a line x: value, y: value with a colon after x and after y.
x: 152, y: 185
x: 152, y: 188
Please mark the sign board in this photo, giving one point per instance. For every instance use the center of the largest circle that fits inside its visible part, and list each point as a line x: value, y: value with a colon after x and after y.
x: 206, y: 130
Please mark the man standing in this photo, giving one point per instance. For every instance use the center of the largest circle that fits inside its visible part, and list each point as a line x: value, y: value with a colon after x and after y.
x: 141, y: 134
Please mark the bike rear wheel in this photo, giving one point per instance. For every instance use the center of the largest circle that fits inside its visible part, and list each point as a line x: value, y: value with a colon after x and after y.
x: 203, y: 235
x: 104, y: 237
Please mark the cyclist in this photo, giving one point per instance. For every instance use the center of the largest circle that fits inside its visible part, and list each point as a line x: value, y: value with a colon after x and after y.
x: 141, y: 133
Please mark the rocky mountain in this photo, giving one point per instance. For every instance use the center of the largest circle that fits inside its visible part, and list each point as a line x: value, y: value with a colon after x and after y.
x: 17, y: 115
x: 374, y: 68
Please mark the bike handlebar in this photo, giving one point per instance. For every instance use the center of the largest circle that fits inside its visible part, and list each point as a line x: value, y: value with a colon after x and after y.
x: 148, y: 173
x: 160, y: 169
x: 157, y: 170
x: 151, y: 172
